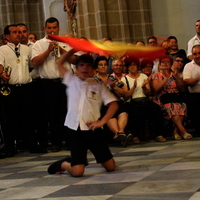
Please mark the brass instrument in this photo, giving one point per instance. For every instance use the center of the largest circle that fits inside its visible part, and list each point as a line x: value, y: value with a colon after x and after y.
x: 56, y: 50
x: 5, y: 89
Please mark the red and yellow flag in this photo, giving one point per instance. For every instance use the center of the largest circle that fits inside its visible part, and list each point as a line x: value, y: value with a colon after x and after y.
x: 114, y: 49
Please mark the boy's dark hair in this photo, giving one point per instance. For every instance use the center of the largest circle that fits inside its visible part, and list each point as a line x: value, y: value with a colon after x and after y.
x: 51, y: 20
x: 99, y: 58
x: 6, y: 29
x: 85, y: 58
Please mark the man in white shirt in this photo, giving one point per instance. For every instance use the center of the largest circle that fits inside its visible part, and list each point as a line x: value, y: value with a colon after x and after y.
x: 24, y: 34
x: 40, y: 138
x: 51, y: 105
x: 84, y: 121
x: 191, y: 76
x: 193, y: 41
x: 16, y: 106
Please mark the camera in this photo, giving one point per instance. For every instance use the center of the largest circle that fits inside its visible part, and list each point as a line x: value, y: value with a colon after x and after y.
x: 120, y: 84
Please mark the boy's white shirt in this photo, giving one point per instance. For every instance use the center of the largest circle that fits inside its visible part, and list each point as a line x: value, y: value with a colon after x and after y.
x: 85, y: 99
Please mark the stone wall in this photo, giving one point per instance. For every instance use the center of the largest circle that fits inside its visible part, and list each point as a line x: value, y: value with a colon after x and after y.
x: 122, y: 20
x: 29, y: 12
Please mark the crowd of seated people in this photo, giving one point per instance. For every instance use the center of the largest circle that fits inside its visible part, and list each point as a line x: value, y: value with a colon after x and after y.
x: 145, y: 109
x: 142, y: 95
x: 149, y: 92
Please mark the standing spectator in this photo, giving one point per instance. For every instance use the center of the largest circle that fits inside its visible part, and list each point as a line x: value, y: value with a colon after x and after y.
x: 52, y: 102
x: 16, y: 106
x: 191, y: 76
x: 140, y: 43
x: 153, y: 42
x: 173, y: 47
x: 167, y: 86
x: 85, y: 98
x: 193, y: 41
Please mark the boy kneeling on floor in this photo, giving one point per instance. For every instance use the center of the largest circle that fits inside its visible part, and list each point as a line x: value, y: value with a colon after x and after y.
x: 85, y: 98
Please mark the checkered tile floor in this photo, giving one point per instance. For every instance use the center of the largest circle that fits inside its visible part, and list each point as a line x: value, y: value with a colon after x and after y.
x: 150, y: 171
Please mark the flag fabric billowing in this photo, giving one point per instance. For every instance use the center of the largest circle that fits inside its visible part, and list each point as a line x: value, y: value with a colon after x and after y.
x: 114, y: 49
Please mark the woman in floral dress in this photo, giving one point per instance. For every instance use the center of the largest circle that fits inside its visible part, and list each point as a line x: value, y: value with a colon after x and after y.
x: 166, y: 82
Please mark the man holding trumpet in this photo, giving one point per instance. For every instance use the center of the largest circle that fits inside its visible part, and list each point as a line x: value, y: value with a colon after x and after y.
x: 15, y: 93
x: 51, y: 98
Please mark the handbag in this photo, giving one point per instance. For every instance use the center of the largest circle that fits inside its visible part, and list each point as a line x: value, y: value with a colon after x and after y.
x: 140, y: 100
x: 180, y: 97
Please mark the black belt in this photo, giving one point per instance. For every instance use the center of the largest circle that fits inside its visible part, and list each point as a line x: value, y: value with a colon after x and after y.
x: 52, y: 80
x: 18, y: 85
